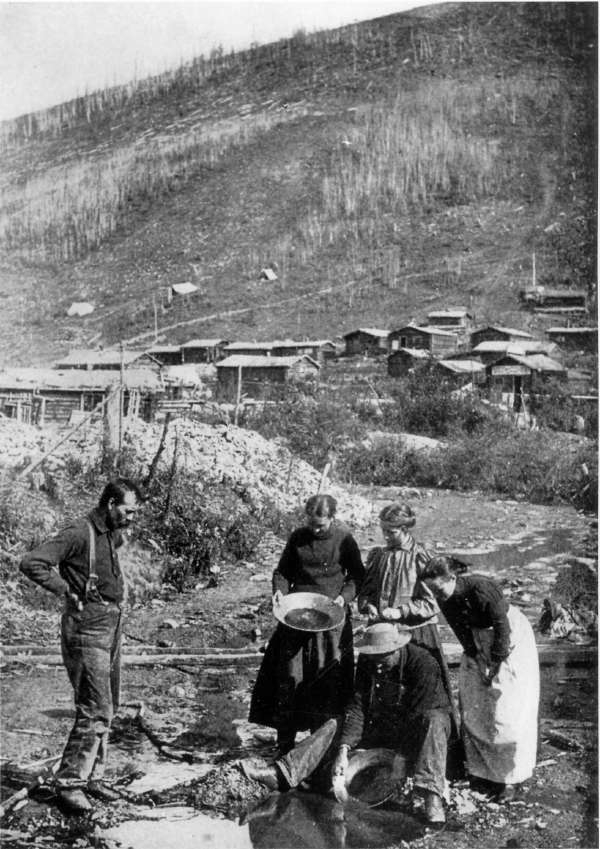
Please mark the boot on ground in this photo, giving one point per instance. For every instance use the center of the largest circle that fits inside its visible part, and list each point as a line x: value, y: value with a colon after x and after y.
x: 263, y: 773
x: 434, y: 809
x: 74, y: 800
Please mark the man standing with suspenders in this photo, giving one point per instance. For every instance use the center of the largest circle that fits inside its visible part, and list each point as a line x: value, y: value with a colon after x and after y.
x: 81, y: 565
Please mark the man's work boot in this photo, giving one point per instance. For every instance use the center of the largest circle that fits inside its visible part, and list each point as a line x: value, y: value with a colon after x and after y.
x: 434, y: 810
x: 264, y: 773
x: 74, y: 800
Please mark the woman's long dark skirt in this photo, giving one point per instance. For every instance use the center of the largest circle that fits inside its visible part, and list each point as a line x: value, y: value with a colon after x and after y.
x: 304, y: 679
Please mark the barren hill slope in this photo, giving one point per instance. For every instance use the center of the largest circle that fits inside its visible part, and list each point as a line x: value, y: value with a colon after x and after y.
x: 385, y: 169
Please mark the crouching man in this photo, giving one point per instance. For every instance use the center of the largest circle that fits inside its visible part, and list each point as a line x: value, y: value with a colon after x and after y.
x: 81, y: 566
x: 399, y: 703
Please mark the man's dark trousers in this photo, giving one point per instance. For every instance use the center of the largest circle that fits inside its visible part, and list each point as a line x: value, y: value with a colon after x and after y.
x: 421, y: 738
x: 91, y: 650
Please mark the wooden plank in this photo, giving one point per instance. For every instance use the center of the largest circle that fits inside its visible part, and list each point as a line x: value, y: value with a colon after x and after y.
x: 142, y: 648
x: 548, y: 656
x: 150, y: 659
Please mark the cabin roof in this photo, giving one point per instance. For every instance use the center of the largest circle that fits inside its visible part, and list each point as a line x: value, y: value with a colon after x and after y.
x: 370, y: 331
x: 74, y: 380
x: 249, y: 346
x: 204, y: 343
x: 430, y: 331
x: 106, y: 356
x: 255, y: 361
x: 456, y: 313
x: 536, y: 362
x: 510, y: 330
x: 462, y: 366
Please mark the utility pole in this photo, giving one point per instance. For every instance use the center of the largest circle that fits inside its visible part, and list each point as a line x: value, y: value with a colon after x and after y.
x: 121, y: 396
x: 155, y: 319
x: 238, y: 395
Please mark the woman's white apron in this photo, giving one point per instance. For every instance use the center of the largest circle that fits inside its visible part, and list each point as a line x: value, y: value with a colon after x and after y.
x: 499, y: 721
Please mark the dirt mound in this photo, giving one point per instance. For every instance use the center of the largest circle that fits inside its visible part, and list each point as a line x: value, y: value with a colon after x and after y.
x: 224, y: 789
x: 230, y: 454
x: 217, y: 453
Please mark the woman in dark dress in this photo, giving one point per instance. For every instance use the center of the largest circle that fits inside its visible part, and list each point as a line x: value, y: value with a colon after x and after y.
x: 305, y: 677
x: 498, y: 677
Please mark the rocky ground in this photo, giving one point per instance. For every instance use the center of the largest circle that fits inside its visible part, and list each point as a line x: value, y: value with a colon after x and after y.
x: 183, y: 788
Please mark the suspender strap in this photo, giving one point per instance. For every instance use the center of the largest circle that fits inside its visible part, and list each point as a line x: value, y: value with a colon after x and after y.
x: 91, y: 585
x: 91, y: 552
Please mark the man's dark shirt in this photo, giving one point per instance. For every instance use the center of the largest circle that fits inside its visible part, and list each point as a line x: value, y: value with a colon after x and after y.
x: 69, y: 551
x: 383, y: 704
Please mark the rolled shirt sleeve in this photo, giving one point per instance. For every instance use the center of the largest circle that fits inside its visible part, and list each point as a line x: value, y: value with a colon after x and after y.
x: 41, y: 564
x: 422, y: 605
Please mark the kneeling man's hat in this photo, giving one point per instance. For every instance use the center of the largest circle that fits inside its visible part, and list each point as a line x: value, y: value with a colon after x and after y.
x: 382, y: 638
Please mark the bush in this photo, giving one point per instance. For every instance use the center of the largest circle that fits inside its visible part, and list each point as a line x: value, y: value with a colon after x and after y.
x: 428, y: 405
x: 199, y: 526
x: 554, y: 408
x: 518, y: 464
x: 312, y: 424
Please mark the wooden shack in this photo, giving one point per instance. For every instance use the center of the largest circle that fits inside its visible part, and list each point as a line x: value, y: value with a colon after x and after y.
x: 554, y: 299
x: 167, y: 355
x: 248, y: 349
x: 109, y: 359
x: 251, y: 375
x: 40, y: 396
x: 319, y: 349
x: 438, y: 343
x: 401, y: 362
x: 370, y: 341
x: 460, y: 320
x: 497, y: 333
x: 461, y: 372
x: 574, y: 338
x: 515, y: 375
x: 203, y: 350
x: 492, y: 351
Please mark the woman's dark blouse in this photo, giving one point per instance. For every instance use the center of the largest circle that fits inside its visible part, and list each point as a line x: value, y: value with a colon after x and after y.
x: 478, y: 602
x: 330, y: 564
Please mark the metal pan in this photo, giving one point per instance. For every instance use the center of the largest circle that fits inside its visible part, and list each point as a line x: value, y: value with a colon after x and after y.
x: 309, y: 612
x: 372, y: 777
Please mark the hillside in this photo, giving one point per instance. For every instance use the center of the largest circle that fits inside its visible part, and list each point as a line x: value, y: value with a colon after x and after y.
x: 385, y: 169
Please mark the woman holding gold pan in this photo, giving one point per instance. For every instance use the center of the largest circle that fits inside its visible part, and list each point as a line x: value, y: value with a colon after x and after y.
x: 307, y: 677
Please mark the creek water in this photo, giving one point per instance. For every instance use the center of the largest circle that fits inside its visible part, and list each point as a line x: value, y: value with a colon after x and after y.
x: 294, y: 820
x: 519, y: 550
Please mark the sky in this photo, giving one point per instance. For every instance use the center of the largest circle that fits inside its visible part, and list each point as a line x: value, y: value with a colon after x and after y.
x: 51, y: 52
